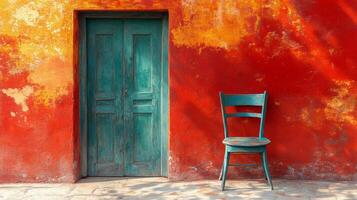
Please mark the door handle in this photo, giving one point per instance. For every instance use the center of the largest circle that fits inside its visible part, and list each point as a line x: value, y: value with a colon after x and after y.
x: 125, y: 92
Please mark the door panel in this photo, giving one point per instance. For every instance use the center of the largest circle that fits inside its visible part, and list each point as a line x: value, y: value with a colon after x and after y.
x: 142, y: 62
x: 142, y: 54
x: 104, y: 65
x: 105, y: 136
x: 105, y: 128
x: 142, y: 137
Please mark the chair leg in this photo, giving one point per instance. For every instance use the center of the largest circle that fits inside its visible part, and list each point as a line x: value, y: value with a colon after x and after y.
x: 221, y: 173
x: 225, y: 169
x: 266, y: 169
x: 262, y: 160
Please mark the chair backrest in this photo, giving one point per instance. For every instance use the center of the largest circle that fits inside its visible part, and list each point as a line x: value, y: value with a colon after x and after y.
x: 244, y: 100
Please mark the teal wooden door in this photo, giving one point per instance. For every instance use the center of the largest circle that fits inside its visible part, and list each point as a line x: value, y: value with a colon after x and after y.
x: 124, y: 73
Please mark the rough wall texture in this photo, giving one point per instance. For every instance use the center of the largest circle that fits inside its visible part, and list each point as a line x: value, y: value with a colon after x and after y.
x: 302, y: 52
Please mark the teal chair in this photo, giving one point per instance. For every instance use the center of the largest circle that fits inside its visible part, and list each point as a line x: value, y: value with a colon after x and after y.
x: 244, y: 144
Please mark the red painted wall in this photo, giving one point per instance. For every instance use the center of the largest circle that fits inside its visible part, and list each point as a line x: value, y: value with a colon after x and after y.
x: 302, y: 52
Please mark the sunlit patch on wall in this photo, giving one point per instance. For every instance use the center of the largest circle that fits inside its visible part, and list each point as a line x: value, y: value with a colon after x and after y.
x: 341, y: 108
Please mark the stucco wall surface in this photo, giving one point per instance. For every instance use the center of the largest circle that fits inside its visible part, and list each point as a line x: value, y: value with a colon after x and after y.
x: 302, y: 52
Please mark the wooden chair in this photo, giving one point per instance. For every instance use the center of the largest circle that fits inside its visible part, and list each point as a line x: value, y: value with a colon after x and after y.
x: 244, y: 144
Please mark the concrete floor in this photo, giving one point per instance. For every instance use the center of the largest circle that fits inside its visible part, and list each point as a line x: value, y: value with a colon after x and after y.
x: 161, y: 188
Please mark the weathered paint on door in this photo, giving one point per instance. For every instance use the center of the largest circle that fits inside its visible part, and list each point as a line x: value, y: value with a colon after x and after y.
x: 124, y: 74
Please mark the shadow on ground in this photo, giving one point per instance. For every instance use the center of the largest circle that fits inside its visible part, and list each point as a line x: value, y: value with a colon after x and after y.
x: 161, y: 188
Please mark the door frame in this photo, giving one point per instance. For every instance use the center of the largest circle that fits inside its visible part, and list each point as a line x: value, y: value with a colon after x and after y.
x: 82, y: 79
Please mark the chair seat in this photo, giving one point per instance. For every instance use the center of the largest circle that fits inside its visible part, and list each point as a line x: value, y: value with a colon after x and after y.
x: 246, y: 141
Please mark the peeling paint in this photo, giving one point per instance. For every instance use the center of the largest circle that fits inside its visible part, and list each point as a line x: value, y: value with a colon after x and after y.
x: 19, y: 95
x: 28, y: 14
x: 39, y: 28
x: 259, y: 77
x: 224, y: 24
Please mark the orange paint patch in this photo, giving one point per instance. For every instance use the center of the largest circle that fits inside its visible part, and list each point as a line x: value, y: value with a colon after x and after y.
x: 216, y: 23
x: 224, y: 24
x: 53, y: 77
x: 40, y: 28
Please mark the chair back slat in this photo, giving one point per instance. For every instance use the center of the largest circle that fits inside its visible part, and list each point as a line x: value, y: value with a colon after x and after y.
x: 244, y: 100
x: 244, y: 114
